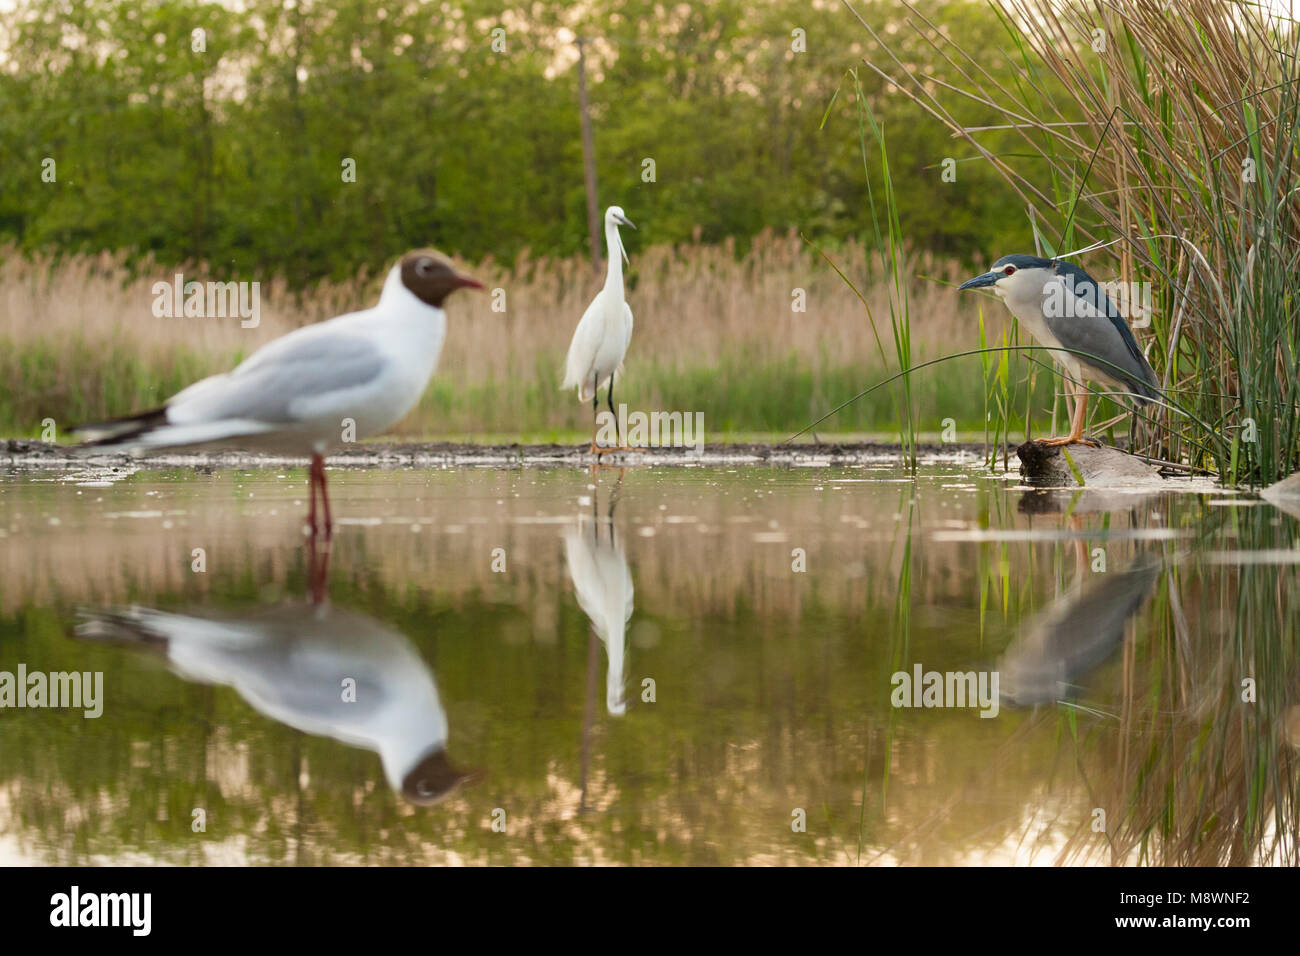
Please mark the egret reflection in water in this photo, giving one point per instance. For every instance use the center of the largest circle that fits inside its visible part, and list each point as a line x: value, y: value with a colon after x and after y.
x: 598, y: 567
x: 319, y: 669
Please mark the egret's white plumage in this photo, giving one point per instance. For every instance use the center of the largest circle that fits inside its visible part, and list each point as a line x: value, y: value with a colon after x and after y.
x: 603, y: 334
x: 603, y: 583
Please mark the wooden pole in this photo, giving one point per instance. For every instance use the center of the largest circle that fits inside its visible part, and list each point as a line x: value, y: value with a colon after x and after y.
x: 588, y: 160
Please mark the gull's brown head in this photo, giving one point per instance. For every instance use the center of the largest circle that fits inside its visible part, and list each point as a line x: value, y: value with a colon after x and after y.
x: 432, y: 779
x: 431, y: 278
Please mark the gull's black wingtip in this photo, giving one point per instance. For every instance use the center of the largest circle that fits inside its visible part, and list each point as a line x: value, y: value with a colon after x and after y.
x: 117, y: 430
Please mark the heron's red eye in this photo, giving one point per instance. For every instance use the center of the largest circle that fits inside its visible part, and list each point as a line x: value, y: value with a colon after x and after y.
x: 1008, y: 270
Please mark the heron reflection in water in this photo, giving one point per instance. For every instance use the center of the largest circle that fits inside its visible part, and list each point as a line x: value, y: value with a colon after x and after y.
x: 1076, y: 633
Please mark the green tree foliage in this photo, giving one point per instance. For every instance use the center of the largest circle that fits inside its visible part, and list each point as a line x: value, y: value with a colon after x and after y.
x: 233, y: 153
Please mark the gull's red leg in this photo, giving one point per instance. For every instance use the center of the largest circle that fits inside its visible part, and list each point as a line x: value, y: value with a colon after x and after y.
x: 318, y: 462
x: 317, y: 570
x: 311, y: 497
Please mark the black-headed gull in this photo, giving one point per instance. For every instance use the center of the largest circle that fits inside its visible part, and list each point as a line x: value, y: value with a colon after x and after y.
x: 320, y: 670
x: 355, y: 375
x: 605, y: 330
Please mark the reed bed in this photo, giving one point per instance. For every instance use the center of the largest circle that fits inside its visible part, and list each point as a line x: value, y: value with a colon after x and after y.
x: 716, y: 332
x: 1165, y: 132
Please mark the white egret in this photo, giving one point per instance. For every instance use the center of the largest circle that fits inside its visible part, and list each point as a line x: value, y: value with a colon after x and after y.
x: 603, y: 583
x: 349, y: 378
x: 604, y: 332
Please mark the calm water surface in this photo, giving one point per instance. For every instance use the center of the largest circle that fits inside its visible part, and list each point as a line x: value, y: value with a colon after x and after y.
x: 678, y: 665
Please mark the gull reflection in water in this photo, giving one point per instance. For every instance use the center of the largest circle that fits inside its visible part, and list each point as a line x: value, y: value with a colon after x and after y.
x: 603, y: 582
x: 1075, y: 634
x: 318, y: 669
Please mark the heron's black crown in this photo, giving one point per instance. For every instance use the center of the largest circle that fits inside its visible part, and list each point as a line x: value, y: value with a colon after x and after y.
x: 1022, y: 261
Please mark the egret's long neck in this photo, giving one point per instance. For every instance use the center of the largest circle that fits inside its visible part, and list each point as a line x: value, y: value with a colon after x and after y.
x: 614, y: 252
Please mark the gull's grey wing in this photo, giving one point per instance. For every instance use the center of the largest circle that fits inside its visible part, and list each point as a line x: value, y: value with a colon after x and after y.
x: 1094, y: 327
x: 266, y: 387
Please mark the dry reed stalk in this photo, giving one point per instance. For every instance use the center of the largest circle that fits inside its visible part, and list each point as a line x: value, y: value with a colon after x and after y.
x: 695, y: 305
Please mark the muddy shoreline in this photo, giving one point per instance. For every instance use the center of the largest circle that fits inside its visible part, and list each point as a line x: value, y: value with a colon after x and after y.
x: 37, y: 455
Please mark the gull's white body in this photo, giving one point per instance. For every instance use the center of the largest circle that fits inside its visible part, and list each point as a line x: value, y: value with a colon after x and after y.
x: 295, y: 393
x: 603, y: 334
x: 603, y: 583
x: 290, y: 663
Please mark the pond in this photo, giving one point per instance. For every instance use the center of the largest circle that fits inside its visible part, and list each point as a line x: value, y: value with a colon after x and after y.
x: 663, y: 665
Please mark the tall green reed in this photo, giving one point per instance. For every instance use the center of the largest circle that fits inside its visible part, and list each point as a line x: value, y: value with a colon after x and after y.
x: 1166, y: 138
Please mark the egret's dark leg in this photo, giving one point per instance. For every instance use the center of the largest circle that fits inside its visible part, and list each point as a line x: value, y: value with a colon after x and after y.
x: 609, y: 398
x: 595, y: 411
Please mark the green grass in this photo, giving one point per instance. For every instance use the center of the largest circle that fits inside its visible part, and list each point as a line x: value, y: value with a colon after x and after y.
x: 741, y: 398
x: 76, y: 381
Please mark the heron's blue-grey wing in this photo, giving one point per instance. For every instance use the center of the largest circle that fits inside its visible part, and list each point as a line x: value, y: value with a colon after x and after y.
x: 1091, y: 325
x: 1073, y: 636
x: 285, y: 381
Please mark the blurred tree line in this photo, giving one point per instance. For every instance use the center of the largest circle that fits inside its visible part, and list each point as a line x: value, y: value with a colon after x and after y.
x: 231, y: 145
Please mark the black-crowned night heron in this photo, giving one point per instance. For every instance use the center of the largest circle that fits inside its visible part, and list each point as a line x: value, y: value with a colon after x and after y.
x: 1065, y: 309
x: 1073, y: 635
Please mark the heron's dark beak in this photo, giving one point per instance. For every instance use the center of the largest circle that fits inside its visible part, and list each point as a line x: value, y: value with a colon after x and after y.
x: 980, y: 281
x: 465, y: 282
x: 624, y: 221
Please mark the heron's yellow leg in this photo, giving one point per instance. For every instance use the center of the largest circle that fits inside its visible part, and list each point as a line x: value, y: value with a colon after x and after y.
x: 1076, y: 426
